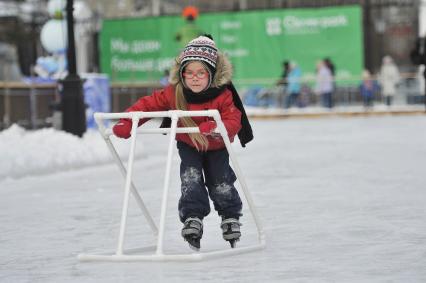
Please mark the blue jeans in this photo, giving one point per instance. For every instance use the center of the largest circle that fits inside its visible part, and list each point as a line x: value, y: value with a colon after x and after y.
x: 210, y: 169
x: 291, y: 99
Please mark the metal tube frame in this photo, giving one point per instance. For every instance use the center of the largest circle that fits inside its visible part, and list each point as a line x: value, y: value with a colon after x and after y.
x: 159, y: 255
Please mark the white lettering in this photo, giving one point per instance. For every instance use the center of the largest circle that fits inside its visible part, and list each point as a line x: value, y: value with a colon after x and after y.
x: 273, y: 26
x: 145, y: 46
x: 119, y: 45
x: 293, y: 22
x: 123, y: 65
x: 230, y: 25
x: 237, y: 52
x: 164, y: 63
x: 228, y: 39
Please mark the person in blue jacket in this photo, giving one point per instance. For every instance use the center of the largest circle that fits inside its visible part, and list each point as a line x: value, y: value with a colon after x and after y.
x: 367, y: 89
x: 293, y: 87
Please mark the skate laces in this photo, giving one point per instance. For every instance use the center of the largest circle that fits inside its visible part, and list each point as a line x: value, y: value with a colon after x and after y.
x: 230, y: 224
x: 192, y: 225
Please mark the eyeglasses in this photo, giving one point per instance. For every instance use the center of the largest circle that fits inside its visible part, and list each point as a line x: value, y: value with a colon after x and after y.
x: 198, y: 74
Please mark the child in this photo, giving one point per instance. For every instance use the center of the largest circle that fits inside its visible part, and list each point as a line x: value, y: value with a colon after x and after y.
x: 368, y: 88
x: 201, y: 80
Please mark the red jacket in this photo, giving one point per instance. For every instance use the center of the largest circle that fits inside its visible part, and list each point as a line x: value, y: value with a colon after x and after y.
x: 163, y: 100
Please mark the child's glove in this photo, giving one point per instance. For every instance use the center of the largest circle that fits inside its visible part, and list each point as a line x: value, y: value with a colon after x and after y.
x: 122, y: 128
x: 207, y: 128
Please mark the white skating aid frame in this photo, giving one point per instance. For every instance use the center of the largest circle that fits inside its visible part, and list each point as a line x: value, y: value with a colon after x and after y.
x: 158, y: 252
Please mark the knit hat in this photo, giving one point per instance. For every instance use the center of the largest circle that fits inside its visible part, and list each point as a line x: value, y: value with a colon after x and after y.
x: 201, y: 49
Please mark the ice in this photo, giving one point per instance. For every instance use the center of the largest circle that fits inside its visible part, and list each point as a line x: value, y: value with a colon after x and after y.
x: 341, y: 200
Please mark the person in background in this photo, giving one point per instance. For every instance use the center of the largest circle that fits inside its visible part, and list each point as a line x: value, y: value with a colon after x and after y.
x: 282, y: 83
x: 190, y: 30
x: 201, y: 80
x: 368, y: 88
x: 330, y: 65
x: 164, y: 81
x: 389, y: 77
x: 275, y: 95
x: 324, y: 84
x: 284, y: 75
x: 293, y: 87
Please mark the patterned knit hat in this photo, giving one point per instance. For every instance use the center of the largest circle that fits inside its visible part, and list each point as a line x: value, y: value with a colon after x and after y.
x: 201, y: 49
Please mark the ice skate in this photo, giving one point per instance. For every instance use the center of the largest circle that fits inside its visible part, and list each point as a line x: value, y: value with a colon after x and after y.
x: 231, y: 230
x: 192, y: 232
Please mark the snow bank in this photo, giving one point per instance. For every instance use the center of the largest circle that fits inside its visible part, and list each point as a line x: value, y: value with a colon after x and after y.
x: 48, y: 150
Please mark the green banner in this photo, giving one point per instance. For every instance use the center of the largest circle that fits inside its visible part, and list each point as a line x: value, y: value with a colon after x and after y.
x: 257, y: 42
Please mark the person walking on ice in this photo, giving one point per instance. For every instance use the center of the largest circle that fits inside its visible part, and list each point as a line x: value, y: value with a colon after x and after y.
x: 201, y: 80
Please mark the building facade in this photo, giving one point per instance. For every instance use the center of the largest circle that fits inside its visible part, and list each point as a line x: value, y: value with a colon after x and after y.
x: 390, y: 26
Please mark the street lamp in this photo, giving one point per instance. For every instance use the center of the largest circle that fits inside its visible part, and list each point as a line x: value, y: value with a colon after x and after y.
x: 72, y: 99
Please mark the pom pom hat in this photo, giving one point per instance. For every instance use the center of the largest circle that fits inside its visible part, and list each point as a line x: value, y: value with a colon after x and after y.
x: 190, y: 11
x: 201, y: 49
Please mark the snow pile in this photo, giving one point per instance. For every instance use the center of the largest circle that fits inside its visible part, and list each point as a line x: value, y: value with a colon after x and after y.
x: 48, y: 150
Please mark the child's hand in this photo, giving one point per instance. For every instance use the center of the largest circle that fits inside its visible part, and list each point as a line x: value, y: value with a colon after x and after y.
x: 207, y: 128
x: 122, y: 128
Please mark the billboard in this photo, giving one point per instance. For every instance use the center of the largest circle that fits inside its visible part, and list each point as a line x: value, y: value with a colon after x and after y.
x: 257, y: 42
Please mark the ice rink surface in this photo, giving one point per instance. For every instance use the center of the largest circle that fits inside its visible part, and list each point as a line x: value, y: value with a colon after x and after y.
x: 341, y: 200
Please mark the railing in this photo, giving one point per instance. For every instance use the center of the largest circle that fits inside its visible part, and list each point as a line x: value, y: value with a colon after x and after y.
x: 30, y: 105
x: 26, y: 104
x: 409, y: 91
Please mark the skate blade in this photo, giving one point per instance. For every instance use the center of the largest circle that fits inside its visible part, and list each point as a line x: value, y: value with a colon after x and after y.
x: 195, y: 249
x: 194, y: 244
x: 233, y: 243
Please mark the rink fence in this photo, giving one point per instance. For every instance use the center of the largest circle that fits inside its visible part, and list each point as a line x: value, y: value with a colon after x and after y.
x: 33, y: 106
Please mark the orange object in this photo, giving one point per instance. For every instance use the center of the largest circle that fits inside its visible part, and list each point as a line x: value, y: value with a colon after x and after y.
x: 190, y: 11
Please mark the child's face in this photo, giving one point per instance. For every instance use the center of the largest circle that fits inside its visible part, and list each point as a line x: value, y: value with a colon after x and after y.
x: 196, y: 76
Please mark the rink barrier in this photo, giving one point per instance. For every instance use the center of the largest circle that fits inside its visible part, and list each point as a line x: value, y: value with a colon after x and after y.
x: 159, y: 253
